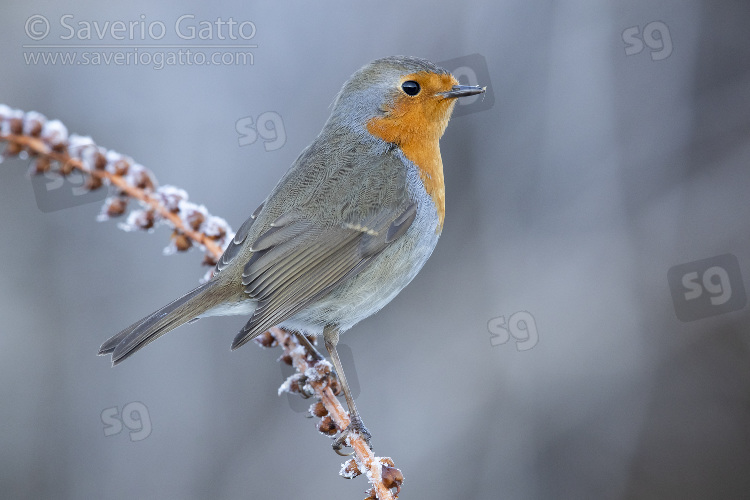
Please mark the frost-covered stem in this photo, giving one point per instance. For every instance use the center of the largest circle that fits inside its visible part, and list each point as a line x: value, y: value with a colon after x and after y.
x: 38, y: 147
x: 366, y: 460
x: 47, y: 142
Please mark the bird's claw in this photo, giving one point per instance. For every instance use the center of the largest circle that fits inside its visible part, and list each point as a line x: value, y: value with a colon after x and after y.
x: 355, y: 425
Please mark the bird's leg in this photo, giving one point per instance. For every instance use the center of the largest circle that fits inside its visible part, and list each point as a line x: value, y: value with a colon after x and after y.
x: 331, y: 338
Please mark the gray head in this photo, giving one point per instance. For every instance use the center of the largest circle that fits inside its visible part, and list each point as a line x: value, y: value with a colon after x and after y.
x: 397, y: 99
x: 373, y: 89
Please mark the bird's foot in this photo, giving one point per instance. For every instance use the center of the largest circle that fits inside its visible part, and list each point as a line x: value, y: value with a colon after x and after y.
x: 357, y: 426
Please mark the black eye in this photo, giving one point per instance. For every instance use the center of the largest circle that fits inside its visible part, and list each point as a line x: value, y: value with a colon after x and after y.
x: 410, y: 87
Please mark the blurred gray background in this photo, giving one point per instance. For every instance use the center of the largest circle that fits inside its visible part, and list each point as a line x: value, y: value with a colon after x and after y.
x: 617, y: 147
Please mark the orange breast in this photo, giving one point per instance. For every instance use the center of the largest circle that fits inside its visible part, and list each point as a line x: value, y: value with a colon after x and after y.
x: 415, y: 124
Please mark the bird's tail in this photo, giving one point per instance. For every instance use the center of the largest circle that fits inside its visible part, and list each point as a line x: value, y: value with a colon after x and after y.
x: 189, y: 306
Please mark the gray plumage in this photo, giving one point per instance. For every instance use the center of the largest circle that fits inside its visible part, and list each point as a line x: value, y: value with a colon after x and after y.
x: 345, y: 229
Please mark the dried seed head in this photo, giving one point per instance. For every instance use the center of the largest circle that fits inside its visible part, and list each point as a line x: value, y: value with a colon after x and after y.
x: 327, y: 426
x: 33, y: 123
x: 286, y: 358
x: 82, y: 147
x: 93, y: 182
x: 55, y: 133
x: 208, y: 260
x: 115, y: 206
x: 171, y: 196
x: 195, y: 219
x: 100, y: 161
x: 215, y: 227
x: 318, y: 409
x: 294, y: 384
x: 181, y: 242
x: 266, y: 339
x: 349, y: 469
x: 121, y: 167
x: 16, y: 126
x: 142, y: 179
x: 141, y: 219
x: 35, y: 128
x: 320, y: 370
x: 298, y: 384
x: 333, y: 383
x: 392, y: 478
x: 371, y: 494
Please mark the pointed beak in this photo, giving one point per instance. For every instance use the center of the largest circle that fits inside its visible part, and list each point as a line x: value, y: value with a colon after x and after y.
x: 463, y: 91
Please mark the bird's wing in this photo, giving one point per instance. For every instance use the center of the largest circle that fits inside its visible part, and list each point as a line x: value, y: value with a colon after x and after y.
x: 297, y: 261
x: 234, y: 247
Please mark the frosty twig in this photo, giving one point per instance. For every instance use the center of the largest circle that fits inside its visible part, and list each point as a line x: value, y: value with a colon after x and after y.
x: 47, y: 143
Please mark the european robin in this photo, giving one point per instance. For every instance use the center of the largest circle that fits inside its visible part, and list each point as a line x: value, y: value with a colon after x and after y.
x: 346, y: 228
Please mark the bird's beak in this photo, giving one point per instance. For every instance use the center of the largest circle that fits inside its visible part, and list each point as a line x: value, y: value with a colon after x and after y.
x: 463, y: 91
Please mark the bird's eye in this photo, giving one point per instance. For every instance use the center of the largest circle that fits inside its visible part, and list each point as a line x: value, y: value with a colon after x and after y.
x: 410, y: 87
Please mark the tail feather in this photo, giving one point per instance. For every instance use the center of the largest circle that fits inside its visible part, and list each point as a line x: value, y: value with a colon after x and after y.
x: 166, y: 319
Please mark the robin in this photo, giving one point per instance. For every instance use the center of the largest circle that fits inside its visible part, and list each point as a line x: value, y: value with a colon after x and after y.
x: 346, y: 228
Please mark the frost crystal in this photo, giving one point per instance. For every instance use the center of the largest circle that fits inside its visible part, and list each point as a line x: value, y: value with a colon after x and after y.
x: 83, y: 147
x: 287, y: 385
x: 7, y: 114
x: 138, y: 220
x: 113, y: 156
x: 171, y: 196
x: 215, y: 227
x: 79, y: 142
x: 349, y: 469
x: 170, y: 249
x: 319, y: 370
x: 192, y: 215
x: 103, y: 215
x: 140, y: 176
x: 99, y: 161
x: 30, y: 120
x: 55, y: 132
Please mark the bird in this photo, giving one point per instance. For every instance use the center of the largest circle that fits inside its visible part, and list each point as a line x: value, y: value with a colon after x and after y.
x: 348, y: 226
